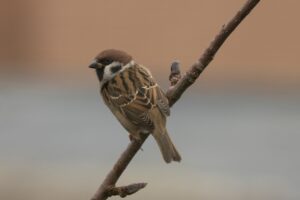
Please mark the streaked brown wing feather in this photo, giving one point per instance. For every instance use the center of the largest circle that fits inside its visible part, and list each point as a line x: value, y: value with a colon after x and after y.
x: 163, y: 102
x: 136, y: 99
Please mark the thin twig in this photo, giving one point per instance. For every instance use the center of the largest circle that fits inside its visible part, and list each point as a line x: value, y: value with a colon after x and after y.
x: 178, y: 86
x: 125, y: 190
x: 113, y: 176
x: 174, y: 93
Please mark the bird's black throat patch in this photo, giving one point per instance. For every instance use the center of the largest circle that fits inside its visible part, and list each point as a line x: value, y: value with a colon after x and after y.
x: 100, y: 73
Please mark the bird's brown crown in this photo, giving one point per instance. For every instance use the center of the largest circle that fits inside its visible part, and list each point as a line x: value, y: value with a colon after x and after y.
x: 110, y: 55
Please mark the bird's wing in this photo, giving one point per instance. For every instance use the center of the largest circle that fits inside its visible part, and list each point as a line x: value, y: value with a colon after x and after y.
x: 162, y: 102
x: 134, y: 93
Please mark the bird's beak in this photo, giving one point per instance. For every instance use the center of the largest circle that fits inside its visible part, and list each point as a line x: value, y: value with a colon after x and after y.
x: 95, y: 65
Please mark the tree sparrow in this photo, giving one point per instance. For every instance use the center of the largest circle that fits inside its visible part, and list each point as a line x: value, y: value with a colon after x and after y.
x: 134, y: 97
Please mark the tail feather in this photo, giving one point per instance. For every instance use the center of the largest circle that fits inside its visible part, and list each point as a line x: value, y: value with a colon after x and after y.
x: 166, y: 147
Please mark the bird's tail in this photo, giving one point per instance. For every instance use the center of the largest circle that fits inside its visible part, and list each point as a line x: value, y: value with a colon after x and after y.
x: 166, y: 147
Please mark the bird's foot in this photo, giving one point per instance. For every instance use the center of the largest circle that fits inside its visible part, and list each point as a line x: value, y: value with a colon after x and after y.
x: 132, y: 138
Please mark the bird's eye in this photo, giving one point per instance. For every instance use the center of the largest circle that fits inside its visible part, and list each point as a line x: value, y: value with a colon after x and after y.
x: 105, y: 61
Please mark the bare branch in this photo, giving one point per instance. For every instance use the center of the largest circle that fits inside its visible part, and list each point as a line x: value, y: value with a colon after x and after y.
x: 178, y: 86
x: 125, y: 190
x: 174, y: 93
x: 113, y: 176
x: 175, y: 74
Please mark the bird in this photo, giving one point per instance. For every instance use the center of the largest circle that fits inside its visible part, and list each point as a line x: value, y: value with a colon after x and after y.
x: 134, y: 97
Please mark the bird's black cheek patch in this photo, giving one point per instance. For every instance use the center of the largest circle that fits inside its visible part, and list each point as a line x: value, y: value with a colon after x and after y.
x: 100, y: 73
x: 116, y: 68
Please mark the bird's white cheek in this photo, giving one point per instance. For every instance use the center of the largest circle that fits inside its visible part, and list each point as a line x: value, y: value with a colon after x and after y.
x: 108, y: 74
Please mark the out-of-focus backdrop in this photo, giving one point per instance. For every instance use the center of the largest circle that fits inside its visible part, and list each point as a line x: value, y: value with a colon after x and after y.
x: 237, y: 127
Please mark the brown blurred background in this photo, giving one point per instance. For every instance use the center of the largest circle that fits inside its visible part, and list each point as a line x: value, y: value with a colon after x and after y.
x: 242, y: 116
x: 59, y: 36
